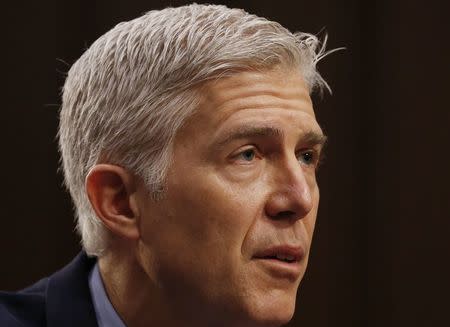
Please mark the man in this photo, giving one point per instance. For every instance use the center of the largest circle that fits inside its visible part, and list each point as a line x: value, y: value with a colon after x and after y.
x: 189, y: 145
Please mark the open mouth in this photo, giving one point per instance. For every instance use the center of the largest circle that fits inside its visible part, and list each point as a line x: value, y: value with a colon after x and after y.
x: 281, y: 253
x: 280, y: 257
x: 281, y: 262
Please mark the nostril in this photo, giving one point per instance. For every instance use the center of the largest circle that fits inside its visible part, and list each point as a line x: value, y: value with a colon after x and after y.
x: 286, y: 206
x: 284, y: 215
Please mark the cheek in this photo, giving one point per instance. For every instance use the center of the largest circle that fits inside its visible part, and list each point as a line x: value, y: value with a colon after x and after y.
x: 314, y: 211
x: 193, y: 239
x: 310, y: 223
x: 214, y: 209
x: 202, y: 225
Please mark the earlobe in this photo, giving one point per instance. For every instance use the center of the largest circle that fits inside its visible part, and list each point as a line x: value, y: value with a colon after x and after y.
x: 112, y: 192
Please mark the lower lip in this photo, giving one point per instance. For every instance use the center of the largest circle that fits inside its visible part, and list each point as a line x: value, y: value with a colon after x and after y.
x: 281, y: 269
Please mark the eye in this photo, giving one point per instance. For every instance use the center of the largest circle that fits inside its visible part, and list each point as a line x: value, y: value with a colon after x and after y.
x: 247, y: 155
x: 308, y: 157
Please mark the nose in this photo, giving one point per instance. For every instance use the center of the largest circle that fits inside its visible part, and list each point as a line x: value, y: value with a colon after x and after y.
x: 291, y: 196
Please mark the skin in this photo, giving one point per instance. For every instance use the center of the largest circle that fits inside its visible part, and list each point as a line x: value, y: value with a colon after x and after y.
x: 243, y: 180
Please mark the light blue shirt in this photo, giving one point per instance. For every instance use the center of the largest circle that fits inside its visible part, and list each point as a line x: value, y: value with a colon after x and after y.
x: 105, y: 312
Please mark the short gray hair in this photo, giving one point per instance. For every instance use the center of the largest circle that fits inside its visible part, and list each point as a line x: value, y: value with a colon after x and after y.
x: 129, y: 93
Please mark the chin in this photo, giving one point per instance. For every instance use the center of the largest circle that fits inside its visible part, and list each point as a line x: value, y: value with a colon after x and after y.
x: 276, y: 317
x: 273, y: 311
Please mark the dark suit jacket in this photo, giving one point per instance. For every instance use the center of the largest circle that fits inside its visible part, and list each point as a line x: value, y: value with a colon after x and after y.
x: 61, y: 300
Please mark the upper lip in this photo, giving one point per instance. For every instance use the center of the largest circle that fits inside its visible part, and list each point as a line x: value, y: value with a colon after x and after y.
x: 292, y: 253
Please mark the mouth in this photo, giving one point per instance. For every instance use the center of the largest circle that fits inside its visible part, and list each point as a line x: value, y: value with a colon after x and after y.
x: 281, y: 257
x: 281, y: 261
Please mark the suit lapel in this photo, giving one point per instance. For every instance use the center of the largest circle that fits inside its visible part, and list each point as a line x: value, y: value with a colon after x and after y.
x: 69, y: 301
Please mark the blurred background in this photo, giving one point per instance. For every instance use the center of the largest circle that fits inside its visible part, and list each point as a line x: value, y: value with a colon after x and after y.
x: 381, y: 250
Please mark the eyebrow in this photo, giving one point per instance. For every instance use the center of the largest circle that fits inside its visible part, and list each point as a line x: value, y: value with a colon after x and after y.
x: 314, y: 138
x: 242, y: 132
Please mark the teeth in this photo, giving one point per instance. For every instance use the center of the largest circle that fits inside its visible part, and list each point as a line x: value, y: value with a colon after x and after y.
x: 285, y: 257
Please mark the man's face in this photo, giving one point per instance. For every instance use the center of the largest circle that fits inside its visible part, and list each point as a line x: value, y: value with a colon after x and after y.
x: 232, y: 235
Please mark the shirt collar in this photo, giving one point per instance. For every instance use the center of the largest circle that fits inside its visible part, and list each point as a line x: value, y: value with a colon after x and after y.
x: 105, y: 312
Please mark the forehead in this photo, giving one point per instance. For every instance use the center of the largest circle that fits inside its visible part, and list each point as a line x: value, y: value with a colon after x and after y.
x: 257, y: 89
x: 253, y: 97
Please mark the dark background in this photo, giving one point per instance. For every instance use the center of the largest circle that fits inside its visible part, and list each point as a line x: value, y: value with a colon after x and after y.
x: 381, y: 250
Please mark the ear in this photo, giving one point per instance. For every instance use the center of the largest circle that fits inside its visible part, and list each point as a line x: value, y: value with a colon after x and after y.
x: 112, y: 192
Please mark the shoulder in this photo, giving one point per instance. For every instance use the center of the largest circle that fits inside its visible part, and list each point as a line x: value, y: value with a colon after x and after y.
x: 25, y: 308
x: 62, y: 299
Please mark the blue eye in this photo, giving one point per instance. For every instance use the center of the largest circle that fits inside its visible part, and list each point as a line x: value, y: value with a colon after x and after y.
x: 307, y: 157
x: 248, y: 155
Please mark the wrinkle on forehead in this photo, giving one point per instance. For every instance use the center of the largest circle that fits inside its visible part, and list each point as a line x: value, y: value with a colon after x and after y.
x: 276, y: 83
x: 243, y: 95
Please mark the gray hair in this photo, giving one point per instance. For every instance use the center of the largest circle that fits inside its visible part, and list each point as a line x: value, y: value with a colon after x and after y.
x: 129, y: 93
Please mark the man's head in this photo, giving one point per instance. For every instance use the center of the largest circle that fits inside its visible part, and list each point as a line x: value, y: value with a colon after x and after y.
x: 189, y: 138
